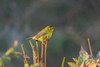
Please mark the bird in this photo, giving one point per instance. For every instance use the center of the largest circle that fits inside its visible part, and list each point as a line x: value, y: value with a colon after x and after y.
x: 43, y: 35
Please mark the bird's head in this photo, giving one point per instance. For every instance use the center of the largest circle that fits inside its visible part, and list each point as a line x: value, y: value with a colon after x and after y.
x: 51, y: 28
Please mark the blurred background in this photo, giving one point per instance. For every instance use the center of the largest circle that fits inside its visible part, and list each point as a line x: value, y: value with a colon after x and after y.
x: 74, y: 21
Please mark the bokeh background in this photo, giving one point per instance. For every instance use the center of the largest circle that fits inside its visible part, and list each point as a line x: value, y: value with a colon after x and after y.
x: 74, y: 21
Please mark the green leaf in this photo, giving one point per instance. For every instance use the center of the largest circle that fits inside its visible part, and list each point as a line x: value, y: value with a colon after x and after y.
x: 76, y: 60
x: 26, y: 65
x: 84, y: 56
x: 71, y: 64
x: 35, y: 65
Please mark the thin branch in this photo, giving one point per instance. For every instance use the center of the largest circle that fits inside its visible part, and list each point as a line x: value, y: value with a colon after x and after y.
x: 37, y: 51
x: 46, y: 52
x: 63, y: 62
x: 90, y: 48
x: 25, y: 61
x: 34, y: 53
x: 42, y: 53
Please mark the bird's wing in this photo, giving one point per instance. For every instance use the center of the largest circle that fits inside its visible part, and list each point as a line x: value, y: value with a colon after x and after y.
x: 41, y: 33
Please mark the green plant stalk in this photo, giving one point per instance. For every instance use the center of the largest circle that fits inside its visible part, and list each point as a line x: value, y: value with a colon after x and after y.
x: 63, y: 62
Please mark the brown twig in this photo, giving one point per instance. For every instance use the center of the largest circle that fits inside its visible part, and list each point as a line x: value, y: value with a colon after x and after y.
x: 42, y: 53
x: 37, y: 51
x: 45, y: 52
x: 25, y: 61
x: 90, y: 48
x: 34, y: 53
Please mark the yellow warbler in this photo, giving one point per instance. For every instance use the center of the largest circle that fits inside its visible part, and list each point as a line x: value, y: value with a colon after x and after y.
x: 44, y: 34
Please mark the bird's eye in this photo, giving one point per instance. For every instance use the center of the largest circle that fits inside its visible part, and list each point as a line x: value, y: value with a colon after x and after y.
x: 50, y: 26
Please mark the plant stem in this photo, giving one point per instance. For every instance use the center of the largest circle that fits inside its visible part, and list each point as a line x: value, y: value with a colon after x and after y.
x: 37, y: 51
x: 90, y: 48
x: 34, y: 52
x: 63, y: 62
x: 46, y: 52
x: 42, y: 53
x: 25, y: 61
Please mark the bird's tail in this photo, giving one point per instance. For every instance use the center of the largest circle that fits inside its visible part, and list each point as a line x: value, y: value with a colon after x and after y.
x: 29, y: 38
